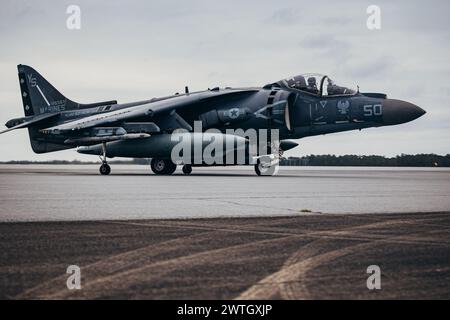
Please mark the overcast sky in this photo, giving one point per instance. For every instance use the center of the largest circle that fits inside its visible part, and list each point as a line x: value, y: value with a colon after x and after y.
x: 133, y: 50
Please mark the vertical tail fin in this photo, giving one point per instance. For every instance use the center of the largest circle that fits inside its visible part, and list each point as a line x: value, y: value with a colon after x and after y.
x: 39, y: 96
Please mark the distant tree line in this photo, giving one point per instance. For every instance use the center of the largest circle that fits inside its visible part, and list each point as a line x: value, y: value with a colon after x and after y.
x: 403, y: 160
x: 132, y: 161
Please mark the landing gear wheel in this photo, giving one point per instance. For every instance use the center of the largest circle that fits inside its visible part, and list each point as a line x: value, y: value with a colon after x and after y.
x: 187, y: 169
x: 105, y: 169
x: 262, y: 170
x: 163, y: 166
x: 258, y: 169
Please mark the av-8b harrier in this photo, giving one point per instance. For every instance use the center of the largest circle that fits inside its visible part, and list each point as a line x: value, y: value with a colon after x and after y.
x: 297, y: 107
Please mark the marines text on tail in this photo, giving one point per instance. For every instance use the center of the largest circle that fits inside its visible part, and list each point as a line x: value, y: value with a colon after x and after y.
x: 296, y: 107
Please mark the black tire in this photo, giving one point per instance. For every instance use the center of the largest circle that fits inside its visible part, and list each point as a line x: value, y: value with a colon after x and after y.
x: 257, y: 170
x: 171, y: 167
x: 105, y: 169
x: 163, y: 166
x: 261, y: 171
x: 187, y: 169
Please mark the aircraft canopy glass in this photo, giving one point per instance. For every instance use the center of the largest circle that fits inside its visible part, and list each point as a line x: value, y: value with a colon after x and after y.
x: 317, y: 84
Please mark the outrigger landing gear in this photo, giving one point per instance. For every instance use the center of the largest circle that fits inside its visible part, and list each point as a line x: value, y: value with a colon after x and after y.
x: 105, y: 169
x: 187, y: 169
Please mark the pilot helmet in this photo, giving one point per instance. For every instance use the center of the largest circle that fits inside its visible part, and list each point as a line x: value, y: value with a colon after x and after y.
x: 312, y: 81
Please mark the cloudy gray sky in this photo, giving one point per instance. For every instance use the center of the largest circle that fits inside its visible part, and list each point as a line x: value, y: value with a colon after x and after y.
x: 132, y: 50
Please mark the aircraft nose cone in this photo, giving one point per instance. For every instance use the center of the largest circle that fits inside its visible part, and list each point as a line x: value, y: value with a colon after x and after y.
x: 398, y: 111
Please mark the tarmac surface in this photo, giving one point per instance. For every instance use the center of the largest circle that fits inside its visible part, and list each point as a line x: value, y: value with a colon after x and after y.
x: 312, y: 256
x: 66, y: 192
x: 307, y: 233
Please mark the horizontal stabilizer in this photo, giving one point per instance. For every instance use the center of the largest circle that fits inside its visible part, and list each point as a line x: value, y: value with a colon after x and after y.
x: 27, y: 121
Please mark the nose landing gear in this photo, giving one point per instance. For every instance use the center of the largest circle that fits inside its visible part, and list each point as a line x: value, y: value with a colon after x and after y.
x: 267, y: 165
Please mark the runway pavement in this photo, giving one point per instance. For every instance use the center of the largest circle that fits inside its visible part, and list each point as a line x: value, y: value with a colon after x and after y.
x: 298, y: 235
x: 312, y: 256
x: 44, y: 193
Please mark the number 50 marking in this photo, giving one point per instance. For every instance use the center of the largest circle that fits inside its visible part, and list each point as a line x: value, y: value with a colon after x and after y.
x: 373, y: 110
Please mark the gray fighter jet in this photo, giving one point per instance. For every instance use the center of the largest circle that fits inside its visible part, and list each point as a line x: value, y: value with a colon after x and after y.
x: 297, y: 107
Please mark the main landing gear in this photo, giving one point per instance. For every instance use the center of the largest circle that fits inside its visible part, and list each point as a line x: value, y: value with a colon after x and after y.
x: 167, y: 167
x: 163, y: 166
x: 187, y: 169
x: 105, y: 169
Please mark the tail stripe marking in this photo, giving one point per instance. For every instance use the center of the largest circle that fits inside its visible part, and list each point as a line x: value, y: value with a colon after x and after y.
x: 40, y: 91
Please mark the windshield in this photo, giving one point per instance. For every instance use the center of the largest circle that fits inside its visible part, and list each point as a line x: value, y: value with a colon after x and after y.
x: 332, y: 89
x: 305, y: 82
x: 317, y: 84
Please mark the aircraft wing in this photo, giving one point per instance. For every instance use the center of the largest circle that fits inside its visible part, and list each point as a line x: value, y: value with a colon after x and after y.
x: 168, y: 106
x: 102, y: 119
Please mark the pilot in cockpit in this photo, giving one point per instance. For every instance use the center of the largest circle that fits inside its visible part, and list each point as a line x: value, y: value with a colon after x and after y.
x: 333, y: 89
x: 299, y: 83
x: 312, y: 85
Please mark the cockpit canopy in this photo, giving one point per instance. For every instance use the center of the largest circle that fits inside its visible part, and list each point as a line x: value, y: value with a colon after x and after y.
x: 316, y: 84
